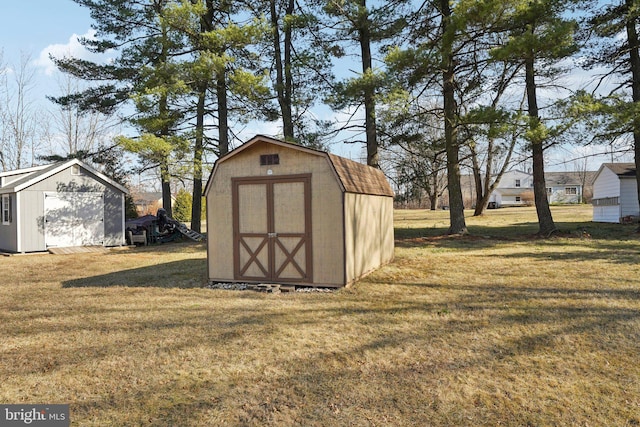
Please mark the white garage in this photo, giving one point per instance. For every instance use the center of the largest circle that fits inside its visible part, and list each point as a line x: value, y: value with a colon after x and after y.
x: 60, y: 205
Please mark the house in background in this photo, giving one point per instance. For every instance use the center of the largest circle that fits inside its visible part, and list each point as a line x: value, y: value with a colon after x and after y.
x: 60, y: 205
x: 615, y: 195
x: 147, y: 203
x: 568, y: 187
x: 516, y: 188
x: 289, y: 214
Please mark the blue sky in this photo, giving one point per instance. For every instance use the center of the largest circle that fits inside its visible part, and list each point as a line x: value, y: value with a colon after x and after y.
x: 36, y: 27
x: 35, y: 24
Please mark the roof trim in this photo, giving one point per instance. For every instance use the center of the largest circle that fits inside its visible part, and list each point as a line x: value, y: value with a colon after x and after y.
x: 52, y: 169
x: 622, y: 170
x: 348, y: 173
x: 23, y: 170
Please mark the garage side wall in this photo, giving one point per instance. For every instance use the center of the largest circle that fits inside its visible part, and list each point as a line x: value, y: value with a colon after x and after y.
x: 369, y: 233
x: 8, y: 232
x: 326, y: 210
x: 629, y: 197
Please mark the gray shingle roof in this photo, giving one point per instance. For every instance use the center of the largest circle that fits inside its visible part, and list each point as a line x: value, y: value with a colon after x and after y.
x: 622, y: 169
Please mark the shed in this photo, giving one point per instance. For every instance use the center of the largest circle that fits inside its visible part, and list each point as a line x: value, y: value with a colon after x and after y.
x: 60, y: 205
x: 278, y: 212
x: 615, y: 193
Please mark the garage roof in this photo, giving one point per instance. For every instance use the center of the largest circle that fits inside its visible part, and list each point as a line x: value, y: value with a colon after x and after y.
x: 40, y: 173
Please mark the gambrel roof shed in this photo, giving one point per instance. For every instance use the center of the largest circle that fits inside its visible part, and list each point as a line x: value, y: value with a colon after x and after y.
x: 63, y: 204
x: 278, y: 212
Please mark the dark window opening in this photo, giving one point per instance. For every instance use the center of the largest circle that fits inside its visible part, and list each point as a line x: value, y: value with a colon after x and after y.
x: 269, y: 159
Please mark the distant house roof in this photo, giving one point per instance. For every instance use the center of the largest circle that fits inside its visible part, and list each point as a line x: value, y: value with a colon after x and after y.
x: 355, y: 177
x: 553, y: 179
x: 39, y: 173
x: 147, y: 197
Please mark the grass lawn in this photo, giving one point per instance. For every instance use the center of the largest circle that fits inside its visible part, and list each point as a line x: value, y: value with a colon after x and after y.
x: 496, y: 328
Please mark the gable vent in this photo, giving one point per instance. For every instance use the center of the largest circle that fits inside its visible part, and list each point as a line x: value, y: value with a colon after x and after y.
x: 269, y: 159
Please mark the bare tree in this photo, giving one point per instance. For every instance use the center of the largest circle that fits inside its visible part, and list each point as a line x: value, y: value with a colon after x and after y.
x: 18, y: 116
x: 74, y: 131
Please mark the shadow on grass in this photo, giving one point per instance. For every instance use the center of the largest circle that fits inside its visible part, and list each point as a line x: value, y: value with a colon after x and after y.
x: 488, y: 236
x: 184, y: 274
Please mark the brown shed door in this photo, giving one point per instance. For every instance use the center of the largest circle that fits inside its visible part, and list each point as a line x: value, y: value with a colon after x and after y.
x: 272, y: 228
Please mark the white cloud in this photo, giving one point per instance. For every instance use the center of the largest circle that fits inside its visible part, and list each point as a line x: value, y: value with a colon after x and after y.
x: 72, y: 48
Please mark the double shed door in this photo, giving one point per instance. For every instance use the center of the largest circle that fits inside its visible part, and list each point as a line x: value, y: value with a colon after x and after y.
x: 272, y: 228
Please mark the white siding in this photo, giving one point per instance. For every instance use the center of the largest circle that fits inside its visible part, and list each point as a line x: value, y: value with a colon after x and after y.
x: 606, y: 214
x: 607, y: 184
x: 629, y: 197
x: 510, y: 178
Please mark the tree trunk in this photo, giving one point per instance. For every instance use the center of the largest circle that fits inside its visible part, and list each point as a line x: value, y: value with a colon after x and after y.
x: 284, y: 80
x: 223, y: 113
x: 165, y: 175
x: 477, y: 182
x: 632, y: 38
x: 433, y: 201
x: 165, y: 179
x: 545, y: 220
x: 369, y: 89
x: 196, y: 203
x: 456, y: 204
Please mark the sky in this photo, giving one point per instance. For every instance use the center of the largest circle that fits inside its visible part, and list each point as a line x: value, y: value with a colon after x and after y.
x: 37, y: 27
x: 42, y: 27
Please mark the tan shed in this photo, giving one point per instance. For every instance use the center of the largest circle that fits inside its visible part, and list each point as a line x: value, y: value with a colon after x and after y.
x: 282, y: 213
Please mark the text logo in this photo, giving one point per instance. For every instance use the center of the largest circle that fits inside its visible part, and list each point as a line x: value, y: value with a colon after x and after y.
x: 34, y: 415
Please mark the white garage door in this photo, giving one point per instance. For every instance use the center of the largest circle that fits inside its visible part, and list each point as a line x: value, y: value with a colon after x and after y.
x: 73, y: 219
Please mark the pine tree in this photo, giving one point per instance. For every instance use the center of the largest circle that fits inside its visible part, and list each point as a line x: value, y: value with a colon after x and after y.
x: 539, y: 37
x: 143, y: 71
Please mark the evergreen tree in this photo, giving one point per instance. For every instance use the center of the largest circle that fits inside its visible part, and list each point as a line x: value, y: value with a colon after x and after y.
x: 223, y: 77
x: 143, y: 71
x: 368, y: 25
x: 539, y: 37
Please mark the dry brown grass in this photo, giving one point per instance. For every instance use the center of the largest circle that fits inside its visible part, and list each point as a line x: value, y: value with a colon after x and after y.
x: 499, y: 328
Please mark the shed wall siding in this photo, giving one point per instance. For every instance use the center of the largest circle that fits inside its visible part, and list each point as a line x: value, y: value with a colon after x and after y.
x: 606, y: 214
x: 326, y: 215
x: 607, y: 184
x: 113, y: 217
x: 369, y: 233
x: 32, y: 221
x: 9, y: 232
x: 629, y: 197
